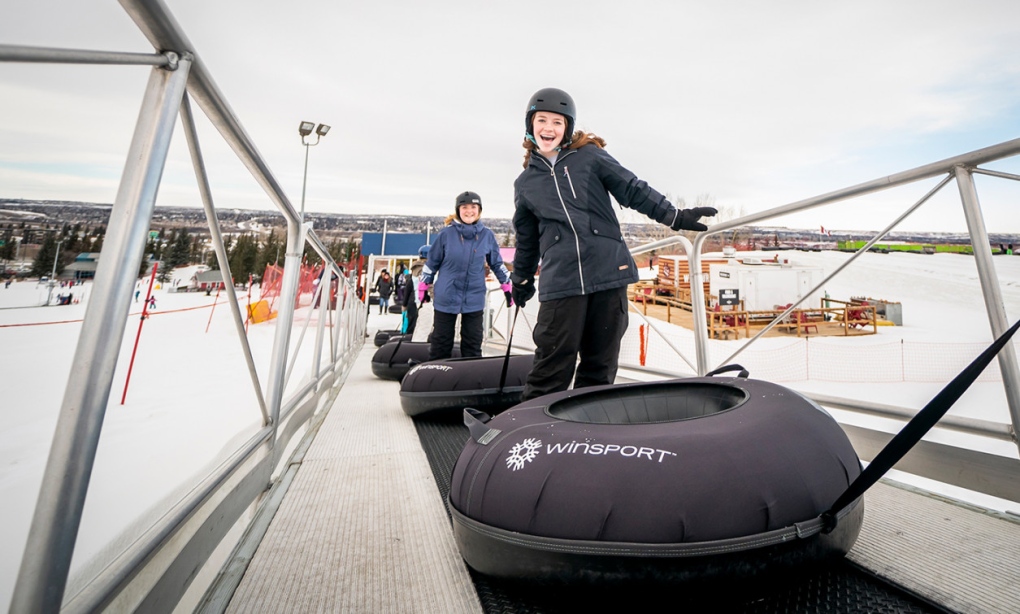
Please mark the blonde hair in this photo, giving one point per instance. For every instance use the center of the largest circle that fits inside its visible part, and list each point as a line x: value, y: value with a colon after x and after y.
x: 578, y: 140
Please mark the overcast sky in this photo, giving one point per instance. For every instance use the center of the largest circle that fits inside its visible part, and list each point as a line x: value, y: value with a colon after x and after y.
x: 757, y: 104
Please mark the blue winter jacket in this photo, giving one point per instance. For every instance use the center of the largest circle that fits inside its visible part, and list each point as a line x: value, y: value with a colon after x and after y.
x: 457, y: 263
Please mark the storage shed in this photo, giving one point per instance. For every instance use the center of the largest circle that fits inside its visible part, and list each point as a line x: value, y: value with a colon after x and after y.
x: 765, y: 285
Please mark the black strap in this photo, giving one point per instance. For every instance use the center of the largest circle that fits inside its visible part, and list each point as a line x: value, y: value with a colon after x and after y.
x: 727, y: 368
x: 476, y: 420
x: 389, y: 363
x: 509, y: 342
x: 918, y: 426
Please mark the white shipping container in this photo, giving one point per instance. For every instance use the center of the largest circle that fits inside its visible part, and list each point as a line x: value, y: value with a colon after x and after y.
x: 765, y: 286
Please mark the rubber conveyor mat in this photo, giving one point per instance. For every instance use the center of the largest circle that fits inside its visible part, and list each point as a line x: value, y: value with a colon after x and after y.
x: 841, y: 588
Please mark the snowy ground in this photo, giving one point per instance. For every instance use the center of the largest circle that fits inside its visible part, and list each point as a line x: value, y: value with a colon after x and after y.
x: 191, y: 400
x: 190, y: 404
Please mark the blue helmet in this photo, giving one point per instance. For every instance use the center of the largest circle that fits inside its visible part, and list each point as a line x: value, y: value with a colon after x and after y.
x: 423, y: 252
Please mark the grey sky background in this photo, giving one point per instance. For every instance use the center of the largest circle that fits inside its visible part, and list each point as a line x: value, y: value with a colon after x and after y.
x: 757, y: 104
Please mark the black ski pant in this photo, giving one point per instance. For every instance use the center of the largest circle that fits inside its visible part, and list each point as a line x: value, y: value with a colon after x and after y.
x: 592, y: 326
x: 444, y: 329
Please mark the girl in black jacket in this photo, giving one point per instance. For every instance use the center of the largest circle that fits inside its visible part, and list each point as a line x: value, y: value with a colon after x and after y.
x: 564, y: 217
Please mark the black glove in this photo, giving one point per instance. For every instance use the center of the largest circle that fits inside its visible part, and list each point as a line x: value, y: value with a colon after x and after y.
x: 523, y: 289
x: 687, y: 219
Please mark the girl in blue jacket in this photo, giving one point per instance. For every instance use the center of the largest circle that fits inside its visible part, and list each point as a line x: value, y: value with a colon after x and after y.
x: 456, y: 262
x: 564, y: 218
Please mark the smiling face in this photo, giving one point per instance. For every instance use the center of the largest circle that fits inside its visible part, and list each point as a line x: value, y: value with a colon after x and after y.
x: 548, y: 129
x: 469, y: 214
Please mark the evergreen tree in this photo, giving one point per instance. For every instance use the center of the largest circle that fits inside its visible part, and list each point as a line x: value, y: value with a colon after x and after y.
x: 75, y: 244
x: 176, y: 256
x: 311, y: 256
x: 196, y: 249
x: 338, y: 250
x: 243, y: 257
x: 212, y: 261
x: 271, y: 253
x: 43, y: 263
x: 8, y: 249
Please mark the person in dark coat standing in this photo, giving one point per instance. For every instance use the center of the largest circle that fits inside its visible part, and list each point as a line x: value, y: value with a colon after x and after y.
x: 384, y: 286
x: 409, y: 305
x: 458, y: 256
x: 564, y: 217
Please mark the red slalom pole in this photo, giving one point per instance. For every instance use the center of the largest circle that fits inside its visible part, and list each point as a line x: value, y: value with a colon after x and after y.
x: 145, y: 314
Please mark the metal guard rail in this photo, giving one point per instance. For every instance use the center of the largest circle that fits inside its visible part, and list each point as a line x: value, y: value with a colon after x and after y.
x: 158, y: 568
x: 156, y: 571
x: 986, y: 473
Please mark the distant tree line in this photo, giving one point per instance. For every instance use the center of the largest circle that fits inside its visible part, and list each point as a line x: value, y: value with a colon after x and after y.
x: 248, y: 254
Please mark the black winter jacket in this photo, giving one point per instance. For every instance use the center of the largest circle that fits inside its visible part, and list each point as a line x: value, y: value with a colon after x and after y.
x: 564, y: 218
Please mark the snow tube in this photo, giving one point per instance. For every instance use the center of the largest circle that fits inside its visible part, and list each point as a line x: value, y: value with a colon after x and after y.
x: 699, y: 482
x: 457, y: 383
x: 393, y: 360
x: 383, y: 337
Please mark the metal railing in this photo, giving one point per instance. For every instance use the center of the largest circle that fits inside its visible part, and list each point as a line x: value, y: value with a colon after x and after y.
x: 156, y: 569
x: 970, y: 469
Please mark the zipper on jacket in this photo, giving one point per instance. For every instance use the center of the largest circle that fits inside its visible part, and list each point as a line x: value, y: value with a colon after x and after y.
x: 577, y: 241
x: 566, y: 173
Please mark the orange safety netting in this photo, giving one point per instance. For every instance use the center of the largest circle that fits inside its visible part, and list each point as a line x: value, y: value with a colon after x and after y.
x: 272, y: 281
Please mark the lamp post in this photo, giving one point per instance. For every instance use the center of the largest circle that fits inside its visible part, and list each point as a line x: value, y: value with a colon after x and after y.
x: 53, y: 275
x: 305, y: 129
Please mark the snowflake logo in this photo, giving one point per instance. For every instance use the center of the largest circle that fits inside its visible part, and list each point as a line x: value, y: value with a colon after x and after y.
x: 523, y: 452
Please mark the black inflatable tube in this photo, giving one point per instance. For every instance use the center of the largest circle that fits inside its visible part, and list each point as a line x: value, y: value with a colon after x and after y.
x: 456, y: 383
x: 393, y: 360
x: 702, y: 479
x: 383, y: 337
x: 544, y: 560
x: 489, y: 400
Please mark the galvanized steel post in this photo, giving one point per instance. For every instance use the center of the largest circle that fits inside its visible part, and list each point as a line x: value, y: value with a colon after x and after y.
x: 325, y: 295
x: 698, y: 306
x: 188, y: 120
x: 54, y: 530
x: 285, y: 320
x: 990, y: 289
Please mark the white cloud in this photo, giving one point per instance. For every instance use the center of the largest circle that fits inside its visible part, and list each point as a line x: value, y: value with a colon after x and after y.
x: 757, y: 104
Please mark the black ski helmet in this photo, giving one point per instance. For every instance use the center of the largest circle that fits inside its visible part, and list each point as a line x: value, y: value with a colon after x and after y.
x: 555, y: 101
x: 467, y: 198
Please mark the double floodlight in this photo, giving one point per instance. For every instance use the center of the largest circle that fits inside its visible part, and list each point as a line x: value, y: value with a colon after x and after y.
x: 306, y: 128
